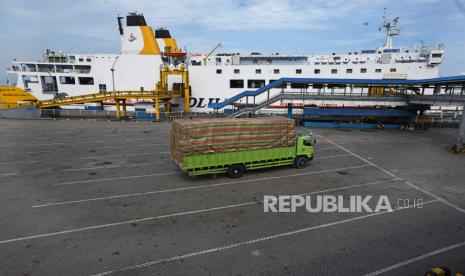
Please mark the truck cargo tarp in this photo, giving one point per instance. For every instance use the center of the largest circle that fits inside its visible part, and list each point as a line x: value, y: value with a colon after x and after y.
x: 221, y: 135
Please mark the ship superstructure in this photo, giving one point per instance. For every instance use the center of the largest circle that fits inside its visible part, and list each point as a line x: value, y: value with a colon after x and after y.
x: 213, y: 78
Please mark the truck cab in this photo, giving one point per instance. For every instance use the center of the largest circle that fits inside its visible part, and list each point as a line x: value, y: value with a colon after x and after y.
x: 304, y: 150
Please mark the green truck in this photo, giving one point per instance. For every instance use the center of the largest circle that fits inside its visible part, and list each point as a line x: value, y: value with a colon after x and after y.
x: 232, y: 146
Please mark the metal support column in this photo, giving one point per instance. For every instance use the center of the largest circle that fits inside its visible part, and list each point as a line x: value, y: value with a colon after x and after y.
x: 118, y: 114
x: 124, y: 110
x: 461, y: 135
x: 289, y: 110
x: 157, y: 109
x: 187, y: 95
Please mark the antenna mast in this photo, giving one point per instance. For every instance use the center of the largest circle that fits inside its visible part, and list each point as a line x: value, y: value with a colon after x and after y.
x: 391, y: 30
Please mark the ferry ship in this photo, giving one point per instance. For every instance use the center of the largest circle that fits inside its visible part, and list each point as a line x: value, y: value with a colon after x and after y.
x: 213, y: 77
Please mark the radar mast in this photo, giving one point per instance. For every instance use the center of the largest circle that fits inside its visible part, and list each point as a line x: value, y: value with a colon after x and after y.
x: 391, y: 28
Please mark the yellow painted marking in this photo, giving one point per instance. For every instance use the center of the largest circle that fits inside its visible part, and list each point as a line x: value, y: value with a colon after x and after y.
x: 14, y: 95
x: 150, y: 44
x: 171, y: 44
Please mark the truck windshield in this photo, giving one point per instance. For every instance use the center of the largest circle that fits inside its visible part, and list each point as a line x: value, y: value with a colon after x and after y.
x: 307, y: 142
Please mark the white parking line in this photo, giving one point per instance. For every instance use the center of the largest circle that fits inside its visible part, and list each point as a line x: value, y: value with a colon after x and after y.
x: 129, y: 146
x: 116, y: 178
x: 43, y: 144
x: 19, y: 162
x: 91, y: 136
x: 124, y: 155
x: 244, y: 243
x: 121, y: 134
x: 461, y: 210
x: 177, y: 189
x: 333, y: 156
x: 108, y: 167
x: 34, y: 152
x: 145, y: 139
x: 158, y: 217
x: 165, y: 152
x: 325, y: 148
x: 416, y: 259
x: 167, y: 173
x: 9, y: 174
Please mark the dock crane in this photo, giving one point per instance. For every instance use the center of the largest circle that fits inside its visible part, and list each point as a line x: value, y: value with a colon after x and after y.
x: 211, y: 52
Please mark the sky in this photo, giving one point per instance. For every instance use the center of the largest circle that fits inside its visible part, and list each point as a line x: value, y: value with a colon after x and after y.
x: 28, y: 27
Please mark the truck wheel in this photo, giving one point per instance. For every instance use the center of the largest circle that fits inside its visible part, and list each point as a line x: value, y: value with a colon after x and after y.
x: 235, y: 171
x: 300, y: 162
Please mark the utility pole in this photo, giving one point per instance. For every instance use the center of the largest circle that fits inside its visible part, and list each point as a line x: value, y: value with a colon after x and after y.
x: 113, y: 72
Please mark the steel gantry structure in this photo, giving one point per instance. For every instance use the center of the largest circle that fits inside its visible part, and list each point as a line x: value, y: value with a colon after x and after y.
x: 21, y: 98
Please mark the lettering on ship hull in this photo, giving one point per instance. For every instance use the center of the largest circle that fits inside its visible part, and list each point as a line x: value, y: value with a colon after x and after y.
x: 202, y: 103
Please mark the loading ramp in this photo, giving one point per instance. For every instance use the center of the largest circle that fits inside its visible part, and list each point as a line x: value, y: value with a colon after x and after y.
x: 21, y: 98
x: 381, y: 92
x: 447, y: 90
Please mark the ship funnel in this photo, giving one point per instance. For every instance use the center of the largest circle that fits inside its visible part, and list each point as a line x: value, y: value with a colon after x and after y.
x: 136, y: 37
x: 165, y: 41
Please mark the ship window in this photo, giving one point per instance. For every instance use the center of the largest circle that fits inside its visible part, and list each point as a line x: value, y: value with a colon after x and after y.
x: 29, y: 67
x: 237, y: 71
x: 29, y: 79
x: 284, y: 85
x: 103, y: 88
x: 64, y: 68
x: 49, y: 83
x: 86, y: 81
x: 378, y: 70
x: 316, y: 71
x: 276, y: 71
x: 363, y: 70
x: 46, y: 68
x: 436, y: 55
x: 67, y: 80
x: 349, y: 71
x: 299, y: 85
x: 333, y: 71
x: 255, y: 83
x: 392, y: 70
x: 236, y: 83
x: 219, y: 71
x: 258, y: 71
x: 88, y: 60
x: 83, y: 69
x: 298, y: 71
x: 81, y: 60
